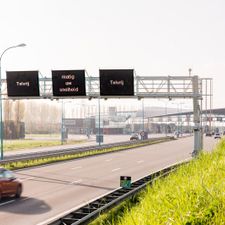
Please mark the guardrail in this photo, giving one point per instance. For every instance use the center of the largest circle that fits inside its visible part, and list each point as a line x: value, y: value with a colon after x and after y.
x: 64, y: 152
x: 91, y: 210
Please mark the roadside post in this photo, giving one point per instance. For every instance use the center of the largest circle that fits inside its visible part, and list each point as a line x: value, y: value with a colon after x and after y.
x: 125, y: 181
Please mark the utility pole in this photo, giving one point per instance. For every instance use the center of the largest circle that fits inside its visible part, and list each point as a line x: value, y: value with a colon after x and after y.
x: 196, y: 108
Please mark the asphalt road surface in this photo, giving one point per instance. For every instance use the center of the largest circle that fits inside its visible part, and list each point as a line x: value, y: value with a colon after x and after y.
x: 87, y: 142
x: 50, y: 191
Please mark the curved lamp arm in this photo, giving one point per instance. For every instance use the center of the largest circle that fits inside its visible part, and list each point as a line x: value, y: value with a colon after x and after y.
x: 15, y: 46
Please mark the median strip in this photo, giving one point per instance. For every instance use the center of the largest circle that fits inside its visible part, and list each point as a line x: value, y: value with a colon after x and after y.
x: 31, y: 160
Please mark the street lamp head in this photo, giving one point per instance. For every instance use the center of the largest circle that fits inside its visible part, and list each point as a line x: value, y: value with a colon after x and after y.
x: 21, y: 45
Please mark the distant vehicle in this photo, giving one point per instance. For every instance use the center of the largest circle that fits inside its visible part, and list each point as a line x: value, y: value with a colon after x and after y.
x: 143, y: 135
x: 176, y: 134
x: 9, y: 184
x: 208, y: 134
x: 217, y: 135
x: 134, y: 136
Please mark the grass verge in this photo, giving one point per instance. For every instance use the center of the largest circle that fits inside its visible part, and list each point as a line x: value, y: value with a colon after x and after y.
x: 68, y: 156
x: 193, y: 195
x: 27, y: 144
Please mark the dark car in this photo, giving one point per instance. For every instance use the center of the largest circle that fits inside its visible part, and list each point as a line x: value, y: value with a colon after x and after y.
x: 134, y: 137
x: 208, y: 134
x: 9, y: 184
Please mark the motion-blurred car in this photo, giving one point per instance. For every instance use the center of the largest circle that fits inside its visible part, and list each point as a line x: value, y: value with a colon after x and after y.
x: 134, y: 137
x: 9, y: 184
x: 217, y: 135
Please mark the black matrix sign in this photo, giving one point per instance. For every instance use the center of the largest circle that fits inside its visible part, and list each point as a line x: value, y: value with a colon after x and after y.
x: 116, y: 82
x: 22, y: 83
x: 68, y: 83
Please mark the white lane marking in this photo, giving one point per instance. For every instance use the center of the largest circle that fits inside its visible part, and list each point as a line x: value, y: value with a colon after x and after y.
x: 50, y: 220
x: 76, y: 181
x: 140, y: 161
x: 108, y: 160
x: 75, y: 168
x: 115, y: 169
x: 5, y: 203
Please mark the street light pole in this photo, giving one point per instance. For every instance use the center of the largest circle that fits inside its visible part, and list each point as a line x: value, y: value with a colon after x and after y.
x: 99, y: 117
x: 166, y: 118
x: 1, y: 121
x: 166, y: 125
x: 62, y: 123
x: 143, y: 115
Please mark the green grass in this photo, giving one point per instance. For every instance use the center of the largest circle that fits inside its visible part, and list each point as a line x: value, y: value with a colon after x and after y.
x: 193, y: 195
x: 43, y: 135
x: 28, y: 144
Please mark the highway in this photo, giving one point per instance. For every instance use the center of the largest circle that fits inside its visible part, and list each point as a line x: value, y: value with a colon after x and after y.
x: 56, y: 189
x: 108, y: 139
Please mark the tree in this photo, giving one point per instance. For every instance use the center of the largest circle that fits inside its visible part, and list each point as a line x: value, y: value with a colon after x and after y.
x: 19, y: 110
x: 7, y: 109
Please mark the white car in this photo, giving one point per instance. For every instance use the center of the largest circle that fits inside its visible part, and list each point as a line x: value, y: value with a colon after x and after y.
x: 134, y: 136
x: 176, y: 134
x: 217, y: 135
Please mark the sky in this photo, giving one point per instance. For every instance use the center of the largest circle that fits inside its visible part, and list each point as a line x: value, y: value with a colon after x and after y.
x: 156, y: 38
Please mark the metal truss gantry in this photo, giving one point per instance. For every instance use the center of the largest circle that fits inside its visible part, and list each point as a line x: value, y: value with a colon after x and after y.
x: 171, y: 87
